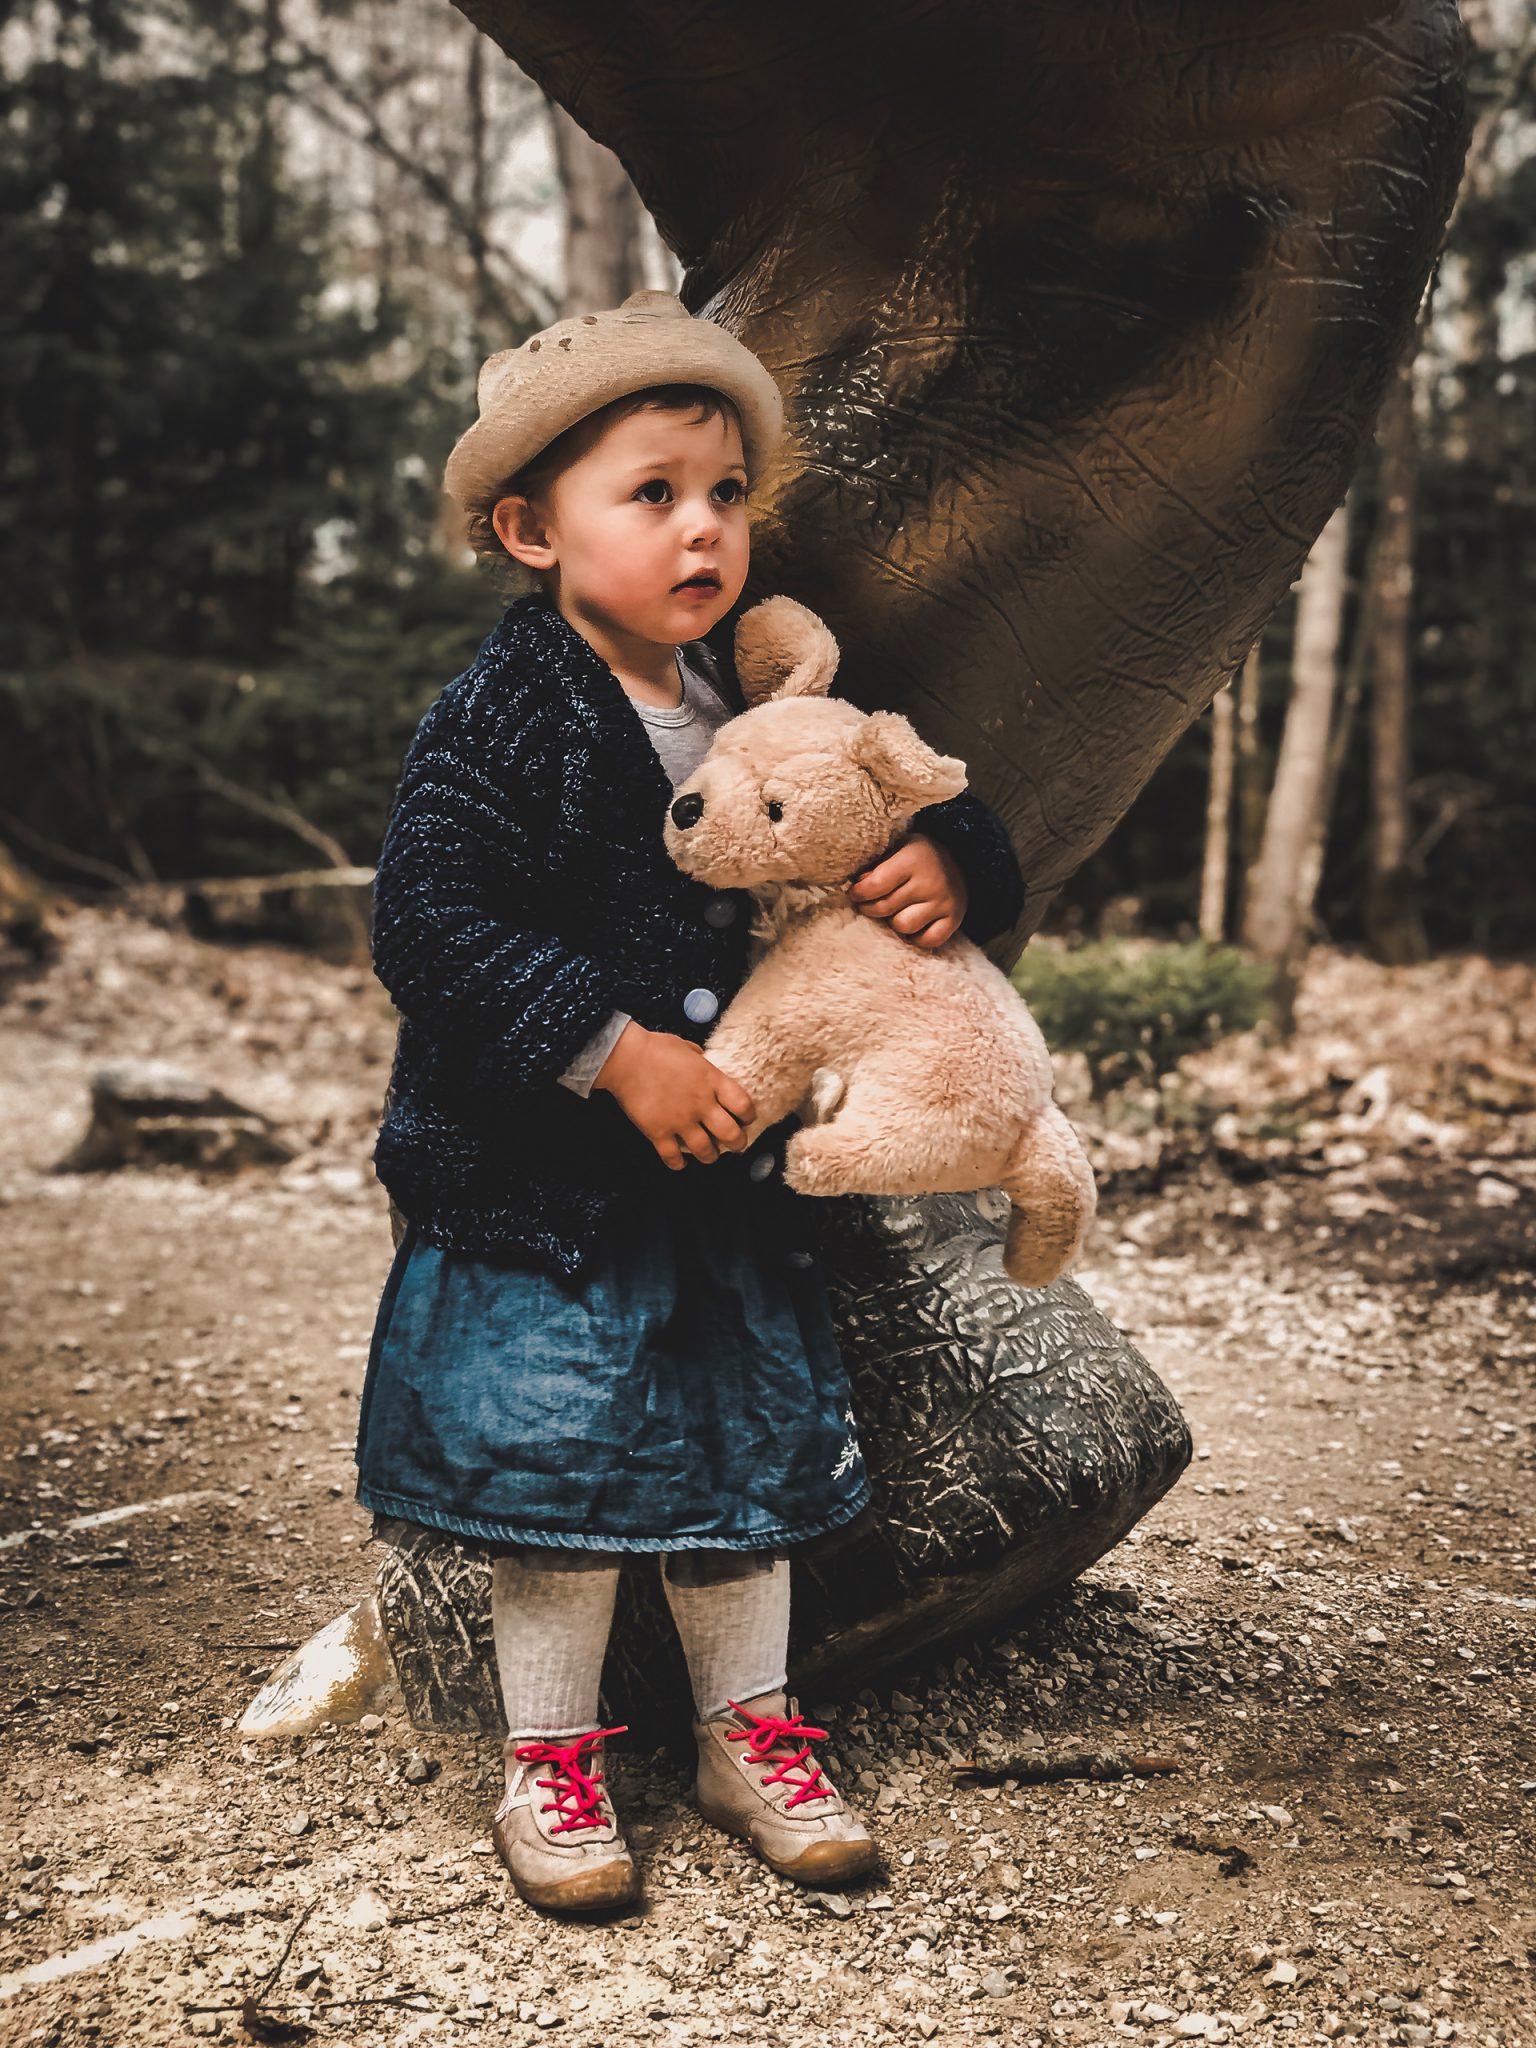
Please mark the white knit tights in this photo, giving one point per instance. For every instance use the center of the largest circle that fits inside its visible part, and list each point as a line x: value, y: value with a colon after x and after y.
x: 551, y: 1631
x: 735, y: 1636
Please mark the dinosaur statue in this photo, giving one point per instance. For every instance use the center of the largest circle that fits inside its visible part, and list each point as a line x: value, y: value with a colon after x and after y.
x: 1082, y: 316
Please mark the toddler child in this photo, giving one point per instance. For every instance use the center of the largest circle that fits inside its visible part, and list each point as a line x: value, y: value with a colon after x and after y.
x: 603, y: 1333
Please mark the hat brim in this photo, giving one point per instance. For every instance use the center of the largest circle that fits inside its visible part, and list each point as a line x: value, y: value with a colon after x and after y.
x: 526, y: 411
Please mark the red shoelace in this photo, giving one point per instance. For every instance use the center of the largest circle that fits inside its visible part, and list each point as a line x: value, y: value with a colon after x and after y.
x: 769, y: 1734
x: 578, y: 1788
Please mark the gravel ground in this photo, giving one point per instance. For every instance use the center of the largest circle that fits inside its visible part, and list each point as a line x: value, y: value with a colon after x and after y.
x: 1327, y: 1626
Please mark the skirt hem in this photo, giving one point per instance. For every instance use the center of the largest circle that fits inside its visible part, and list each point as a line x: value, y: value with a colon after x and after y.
x: 407, y: 1510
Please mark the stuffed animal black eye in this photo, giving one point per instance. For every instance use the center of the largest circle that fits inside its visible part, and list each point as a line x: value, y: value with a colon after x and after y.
x: 775, y: 811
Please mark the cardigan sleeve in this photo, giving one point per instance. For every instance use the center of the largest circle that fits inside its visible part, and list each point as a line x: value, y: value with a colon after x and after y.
x: 979, y: 840
x: 457, y: 937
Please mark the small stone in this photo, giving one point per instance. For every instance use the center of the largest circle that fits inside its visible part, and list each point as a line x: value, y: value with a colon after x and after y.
x: 927, y: 2026
x: 417, y: 1770
x: 548, y: 2018
x: 299, y: 1824
x: 1194, y: 2026
x: 367, y: 1912
x: 1165, y: 1919
x: 902, y: 1704
x: 834, y: 1903
x: 1278, y: 1815
x: 1157, y: 2012
x: 370, y: 1724
x: 1281, y: 1972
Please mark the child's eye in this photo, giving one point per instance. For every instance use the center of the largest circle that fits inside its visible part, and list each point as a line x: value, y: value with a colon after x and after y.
x: 733, y: 490
x: 656, y: 483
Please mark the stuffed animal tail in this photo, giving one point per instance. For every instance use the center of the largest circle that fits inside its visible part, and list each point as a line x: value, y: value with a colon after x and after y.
x: 1050, y: 1185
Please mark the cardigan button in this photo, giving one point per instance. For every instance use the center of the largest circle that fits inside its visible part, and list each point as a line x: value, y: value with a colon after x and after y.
x: 700, y: 1005
x: 761, y: 1166
x: 720, y: 911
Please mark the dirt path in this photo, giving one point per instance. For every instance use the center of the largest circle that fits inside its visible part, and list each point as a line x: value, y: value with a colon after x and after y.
x: 1330, y: 1623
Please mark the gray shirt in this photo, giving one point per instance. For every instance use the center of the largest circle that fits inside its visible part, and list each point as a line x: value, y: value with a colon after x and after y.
x: 681, y: 735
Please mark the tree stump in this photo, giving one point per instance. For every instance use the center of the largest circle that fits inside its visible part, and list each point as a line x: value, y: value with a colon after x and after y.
x: 146, y: 1114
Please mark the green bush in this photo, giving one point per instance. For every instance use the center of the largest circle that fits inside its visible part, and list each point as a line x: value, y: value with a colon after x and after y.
x: 1136, y: 1010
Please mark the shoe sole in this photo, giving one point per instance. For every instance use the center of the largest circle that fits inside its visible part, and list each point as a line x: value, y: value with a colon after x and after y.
x: 820, y: 1865
x: 599, y: 1890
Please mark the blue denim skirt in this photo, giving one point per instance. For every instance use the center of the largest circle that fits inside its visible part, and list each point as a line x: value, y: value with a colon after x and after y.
x: 683, y: 1392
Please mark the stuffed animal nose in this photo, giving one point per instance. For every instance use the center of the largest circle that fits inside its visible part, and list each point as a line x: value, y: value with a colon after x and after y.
x: 687, y: 810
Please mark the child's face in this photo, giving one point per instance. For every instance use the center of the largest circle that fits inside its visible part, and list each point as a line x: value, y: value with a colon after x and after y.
x: 660, y: 497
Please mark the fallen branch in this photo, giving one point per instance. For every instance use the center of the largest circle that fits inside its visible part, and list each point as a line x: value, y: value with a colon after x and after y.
x: 279, y: 810
x: 234, y: 887
x: 257, y: 2020
x: 1041, y: 1767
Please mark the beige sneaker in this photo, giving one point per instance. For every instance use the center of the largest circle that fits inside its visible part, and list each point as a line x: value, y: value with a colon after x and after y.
x: 555, y: 1828
x: 757, y: 1780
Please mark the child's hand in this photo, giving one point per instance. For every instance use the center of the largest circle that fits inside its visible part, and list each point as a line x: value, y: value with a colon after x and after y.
x: 675, y: 1096
x: 919, y: 888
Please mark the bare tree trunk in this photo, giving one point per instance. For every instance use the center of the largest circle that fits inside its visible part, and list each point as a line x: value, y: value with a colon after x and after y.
x: 1394, y: 929
x: 1284, y: 882
x: 1250, y: 772
x: 479, y: 208
x: 604, y: 261
x: 1218, y: 820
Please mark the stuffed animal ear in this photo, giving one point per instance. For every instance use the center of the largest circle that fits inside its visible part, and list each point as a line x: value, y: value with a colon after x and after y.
x: 909, y: 773
x: 783, y: 650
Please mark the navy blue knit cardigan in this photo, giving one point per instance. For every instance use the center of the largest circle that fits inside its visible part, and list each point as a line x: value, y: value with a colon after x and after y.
x: 524, y: 892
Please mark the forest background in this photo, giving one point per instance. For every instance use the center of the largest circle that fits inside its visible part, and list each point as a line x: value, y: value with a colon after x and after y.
x: 252, y: 252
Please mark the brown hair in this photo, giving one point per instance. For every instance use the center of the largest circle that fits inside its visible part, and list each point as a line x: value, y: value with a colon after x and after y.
x: 535, y: 478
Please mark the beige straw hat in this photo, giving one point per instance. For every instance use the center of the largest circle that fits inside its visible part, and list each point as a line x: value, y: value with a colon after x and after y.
x: 530, y: 394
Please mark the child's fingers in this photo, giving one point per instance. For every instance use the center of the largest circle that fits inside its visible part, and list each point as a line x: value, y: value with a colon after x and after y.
x: 719, y: 1122
x: 887, y: 874
x: 701, y: 1143
x: 934, y: 935
x: 909, y: 891
x: 911, y: 921
x: 733, y: 1097
x: 669, y: 1152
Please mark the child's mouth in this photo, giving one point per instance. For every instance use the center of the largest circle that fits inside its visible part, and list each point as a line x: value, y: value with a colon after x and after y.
x: 707, y: 579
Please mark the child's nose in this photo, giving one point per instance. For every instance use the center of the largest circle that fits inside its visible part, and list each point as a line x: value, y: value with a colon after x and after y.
x: 687, y: 810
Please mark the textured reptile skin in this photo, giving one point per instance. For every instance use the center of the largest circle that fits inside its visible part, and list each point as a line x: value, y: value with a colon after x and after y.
x: 1081, y: 314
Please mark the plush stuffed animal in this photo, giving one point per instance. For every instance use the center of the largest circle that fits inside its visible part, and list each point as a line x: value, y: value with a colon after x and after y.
x: 923, y: 1070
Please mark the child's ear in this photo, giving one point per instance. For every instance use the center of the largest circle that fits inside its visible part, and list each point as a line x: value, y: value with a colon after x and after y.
x: 907, y: 770
x: 783, y: 650
x: 520, y: 528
